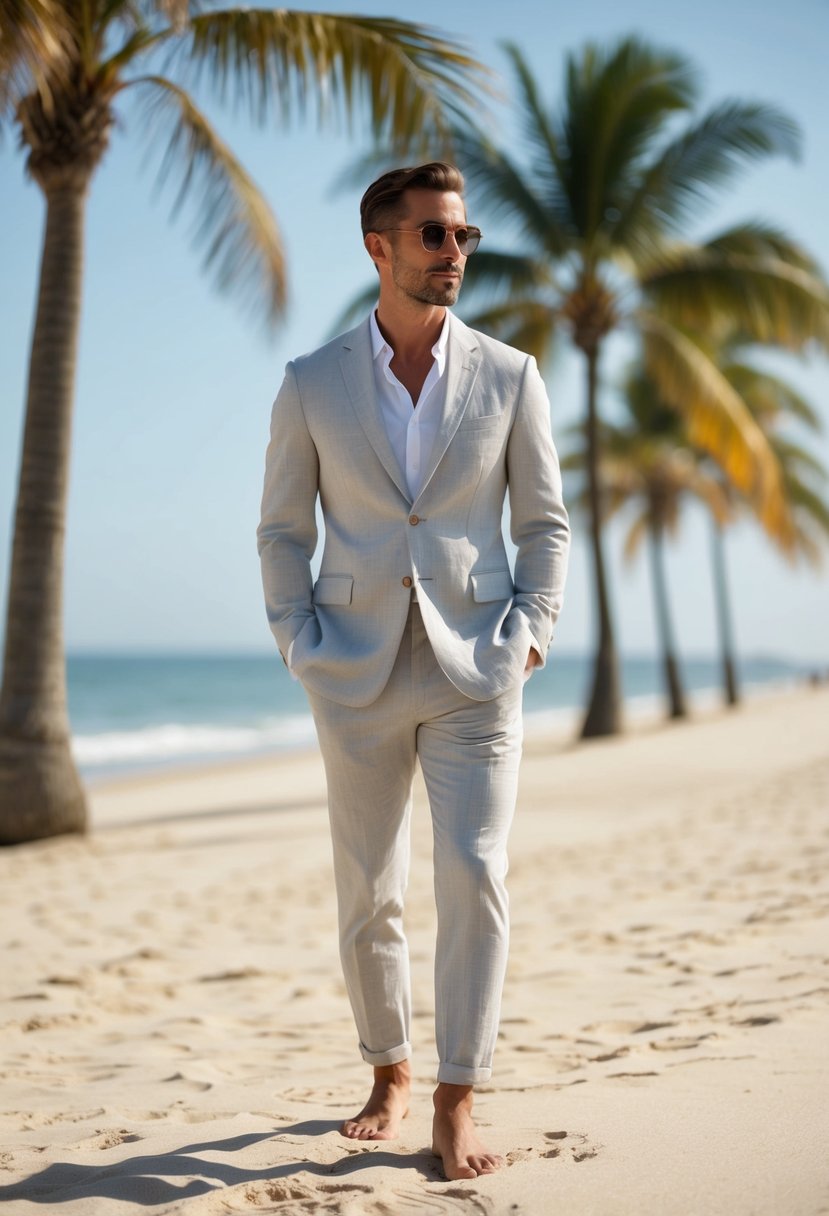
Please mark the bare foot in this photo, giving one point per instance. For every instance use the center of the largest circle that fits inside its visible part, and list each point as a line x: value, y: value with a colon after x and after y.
x: 454, y: 1138
x: 387, y: 1106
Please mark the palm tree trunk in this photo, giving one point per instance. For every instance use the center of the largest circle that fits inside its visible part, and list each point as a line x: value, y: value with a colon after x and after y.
x: 673, y: 684
x: 604, y: 707
x: 731, y: 690
x: 40, y: 790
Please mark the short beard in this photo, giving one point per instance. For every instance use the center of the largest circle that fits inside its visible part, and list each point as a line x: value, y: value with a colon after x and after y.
x: 417, y: 285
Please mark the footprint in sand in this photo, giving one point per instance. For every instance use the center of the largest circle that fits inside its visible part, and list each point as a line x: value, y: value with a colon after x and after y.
x: 31, y: 1120
x: 107, y: 1138
x: 258, y: 1194
x: 310, y: 1196
x: 578, y: 1145
x: 567, y: 1146
x: 434, y: 1201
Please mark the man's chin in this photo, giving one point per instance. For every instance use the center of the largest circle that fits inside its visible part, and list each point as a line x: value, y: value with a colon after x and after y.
x: 444, y: 296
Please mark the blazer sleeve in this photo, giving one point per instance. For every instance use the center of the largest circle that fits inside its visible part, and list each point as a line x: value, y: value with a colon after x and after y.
x: 287, y: 533
x: 539, y: 525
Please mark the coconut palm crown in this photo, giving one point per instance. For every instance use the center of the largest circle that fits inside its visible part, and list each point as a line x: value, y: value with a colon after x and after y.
x: 599, y: 193
x: 68, y: 72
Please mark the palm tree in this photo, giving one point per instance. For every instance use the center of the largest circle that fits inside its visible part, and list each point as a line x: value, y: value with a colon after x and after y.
x: 773, y: 401
x: 647, y: 462
x: 65, y: 69
x: 595, y: 205
x: 652, y: 461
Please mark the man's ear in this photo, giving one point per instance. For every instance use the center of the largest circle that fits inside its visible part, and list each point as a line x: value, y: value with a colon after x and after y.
x: 375, y: 247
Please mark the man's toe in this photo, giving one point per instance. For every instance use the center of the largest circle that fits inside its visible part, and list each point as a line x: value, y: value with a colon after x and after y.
x: 457, y: 1170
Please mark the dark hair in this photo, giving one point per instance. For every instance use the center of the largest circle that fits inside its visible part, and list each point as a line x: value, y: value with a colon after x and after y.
x: 380, y: 206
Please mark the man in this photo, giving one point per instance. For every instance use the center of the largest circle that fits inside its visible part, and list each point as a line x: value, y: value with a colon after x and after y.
x: 415, y: 639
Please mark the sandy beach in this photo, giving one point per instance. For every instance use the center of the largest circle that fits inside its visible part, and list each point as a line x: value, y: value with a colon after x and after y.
x: 176, y: 1036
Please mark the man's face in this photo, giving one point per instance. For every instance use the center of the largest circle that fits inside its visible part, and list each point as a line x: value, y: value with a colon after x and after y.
x: 432, y: 278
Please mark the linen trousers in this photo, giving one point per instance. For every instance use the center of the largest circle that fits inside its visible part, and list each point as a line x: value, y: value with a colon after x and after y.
x: 469, y: 752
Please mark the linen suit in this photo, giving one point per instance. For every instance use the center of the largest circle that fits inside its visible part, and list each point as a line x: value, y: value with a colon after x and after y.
x: 390, y: 681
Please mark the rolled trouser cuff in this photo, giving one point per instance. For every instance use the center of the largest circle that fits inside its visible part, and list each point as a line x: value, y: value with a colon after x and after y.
x: 459, y: 1074
x: 395, y: 1055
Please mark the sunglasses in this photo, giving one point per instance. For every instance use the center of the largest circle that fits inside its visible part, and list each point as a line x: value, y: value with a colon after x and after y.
x: 433, y: 236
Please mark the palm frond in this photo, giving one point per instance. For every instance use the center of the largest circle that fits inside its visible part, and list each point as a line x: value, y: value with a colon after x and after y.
x: 766, y: 299
x: 129, y: 15
x: 243, y: 247
x: 636, y: 534
x: 797, y: 461
x: 807, y: 546
x: 770, y: 397
x: 810, y: 518
x: 716, y: 417
x: 496, y: 181
x: 35, y: 44
x: 526, y: 324
x: 542, y: 140
x: 808, y: 503
x: 177, y: 12
x: 757, y: 238
x: 371, y: 163
x: 670, y: 191
x: 503, y: 275
x: 654, y: 466
x: 137, y: 43
x: 410, y: 79
x: 617, y: 100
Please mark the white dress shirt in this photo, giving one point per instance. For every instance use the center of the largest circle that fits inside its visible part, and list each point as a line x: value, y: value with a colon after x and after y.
x: 410, y: 426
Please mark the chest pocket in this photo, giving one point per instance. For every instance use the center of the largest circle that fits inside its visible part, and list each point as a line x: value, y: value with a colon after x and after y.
x: 482, y: 423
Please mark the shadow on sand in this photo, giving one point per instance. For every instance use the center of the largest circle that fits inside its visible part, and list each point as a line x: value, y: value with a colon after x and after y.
x: 149, y: 1180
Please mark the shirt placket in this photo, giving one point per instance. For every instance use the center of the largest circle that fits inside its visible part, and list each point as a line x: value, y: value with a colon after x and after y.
x: 413, y: 453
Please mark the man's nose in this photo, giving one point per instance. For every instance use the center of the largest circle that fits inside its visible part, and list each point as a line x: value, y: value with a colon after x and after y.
x: 451, y: 250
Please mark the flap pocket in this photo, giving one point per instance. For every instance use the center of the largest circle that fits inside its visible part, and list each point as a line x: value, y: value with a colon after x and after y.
x: 492, y: 585
x: 481, y: 423
x: 333, y: 589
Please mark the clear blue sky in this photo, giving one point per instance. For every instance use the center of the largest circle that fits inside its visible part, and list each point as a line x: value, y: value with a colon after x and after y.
x: 175, y: 383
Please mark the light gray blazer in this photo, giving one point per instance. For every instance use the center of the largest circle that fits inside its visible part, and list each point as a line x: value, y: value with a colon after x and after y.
x: 328, y: 439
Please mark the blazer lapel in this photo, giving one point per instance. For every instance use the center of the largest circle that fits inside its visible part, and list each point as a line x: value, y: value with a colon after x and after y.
x: 463, y: 361
x: 358, y: 374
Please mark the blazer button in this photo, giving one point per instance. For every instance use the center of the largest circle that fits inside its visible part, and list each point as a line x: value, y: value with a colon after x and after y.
x: 407, y: 582
x: 414, y: 520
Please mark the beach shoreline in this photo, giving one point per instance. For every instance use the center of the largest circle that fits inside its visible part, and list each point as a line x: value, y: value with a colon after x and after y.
x: 551, y: 730
x: 177, y: 1037
x: 554, y: 730
x: 135, y: 714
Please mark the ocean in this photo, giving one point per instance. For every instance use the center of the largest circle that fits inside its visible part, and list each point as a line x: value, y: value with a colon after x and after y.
x: 132, y: 713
